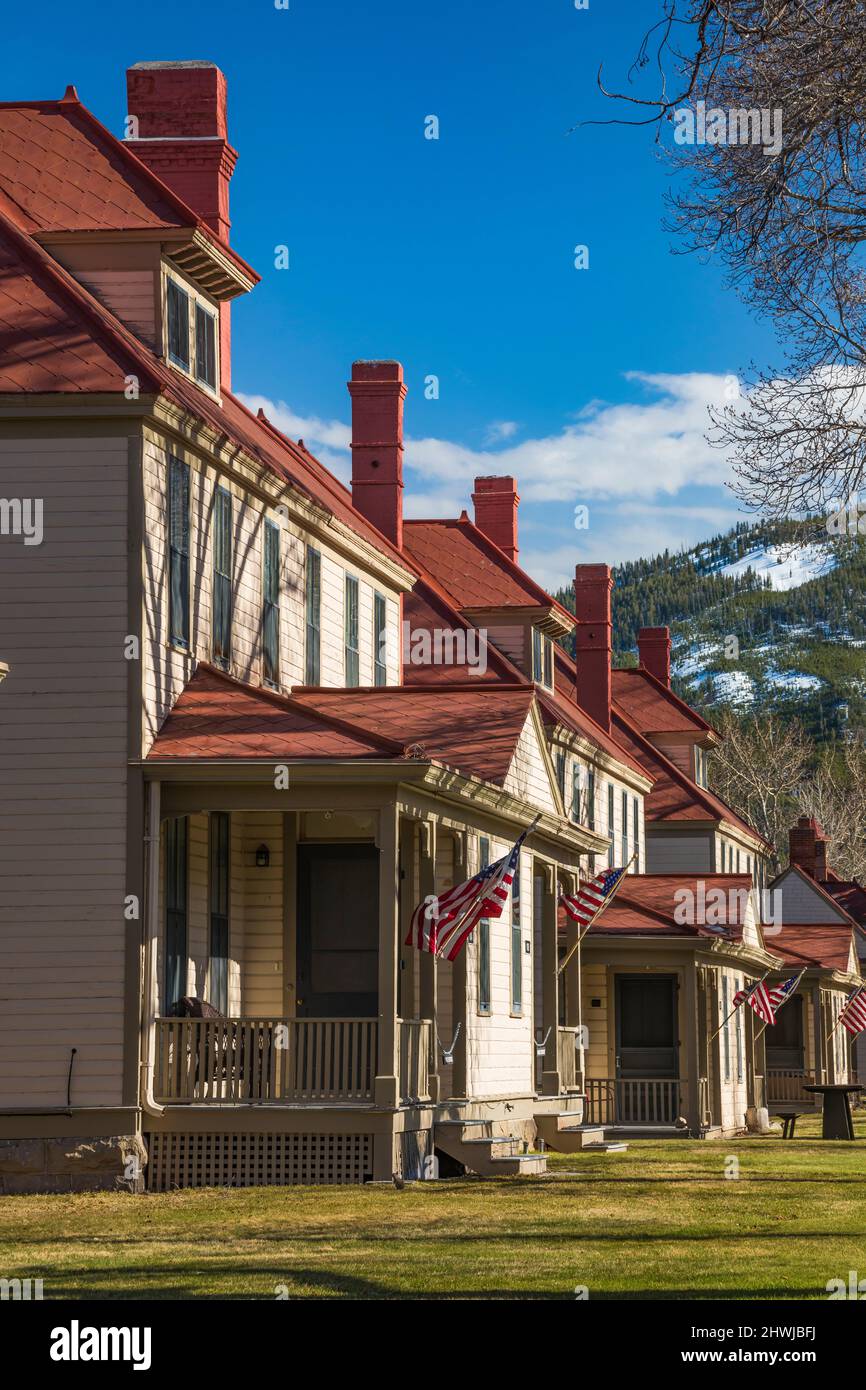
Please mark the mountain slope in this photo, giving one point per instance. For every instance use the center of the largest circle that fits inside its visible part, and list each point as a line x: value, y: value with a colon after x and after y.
x: 768, y: 616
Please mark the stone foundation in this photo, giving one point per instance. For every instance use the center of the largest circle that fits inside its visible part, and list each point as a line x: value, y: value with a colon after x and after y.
x: 75, y: 1164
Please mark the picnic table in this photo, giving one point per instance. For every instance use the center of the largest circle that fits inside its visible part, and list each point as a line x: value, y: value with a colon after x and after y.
x: 837, y: 1122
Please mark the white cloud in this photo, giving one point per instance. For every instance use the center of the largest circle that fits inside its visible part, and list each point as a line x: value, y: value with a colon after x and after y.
x: 499, y: 430
x: 627, y: 462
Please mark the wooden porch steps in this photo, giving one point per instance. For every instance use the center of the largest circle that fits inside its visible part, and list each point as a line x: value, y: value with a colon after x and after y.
x: 560, y: 1132
x: 490, y: 1155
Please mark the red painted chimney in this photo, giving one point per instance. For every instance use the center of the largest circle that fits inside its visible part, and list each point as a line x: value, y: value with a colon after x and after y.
x: 495, y: 501
x: 807, y: 847
x: 654, y: 652
x: 181, y: 134
x: 592, y: 639
x: 378, y: 392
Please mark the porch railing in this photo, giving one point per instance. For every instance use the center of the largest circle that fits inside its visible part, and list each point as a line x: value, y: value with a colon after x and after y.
x: 567, y: 1059
x: 650, y: 1101
x: 414, y: 1043
x: 786, y: 1084
x: 265, y: 1060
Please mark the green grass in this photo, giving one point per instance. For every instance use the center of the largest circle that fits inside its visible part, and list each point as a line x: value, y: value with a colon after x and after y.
x: 661, y: 1221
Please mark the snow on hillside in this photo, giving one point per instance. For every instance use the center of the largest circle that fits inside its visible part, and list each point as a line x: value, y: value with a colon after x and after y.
x: 787, y: 566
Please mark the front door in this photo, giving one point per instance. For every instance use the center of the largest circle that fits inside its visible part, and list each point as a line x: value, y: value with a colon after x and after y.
x: 785, y: 1052
x: 338, y: 931
x: 647, y: 1049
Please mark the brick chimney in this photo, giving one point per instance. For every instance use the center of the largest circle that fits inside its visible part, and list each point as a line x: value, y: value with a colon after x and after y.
x: 495, y: 501
x: 654, y: 652
x: 181, y: 134
x: 592, y: 638
x: 378, y: 392
x: 807, y: 847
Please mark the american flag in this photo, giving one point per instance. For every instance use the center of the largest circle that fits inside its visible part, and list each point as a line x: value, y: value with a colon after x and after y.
x: 584, y: 906
x: 441, y: 925
x: 853, y: 1015
x: 766, y: 999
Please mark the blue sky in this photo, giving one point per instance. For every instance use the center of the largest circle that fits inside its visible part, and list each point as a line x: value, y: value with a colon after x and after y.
x: 455, y: 255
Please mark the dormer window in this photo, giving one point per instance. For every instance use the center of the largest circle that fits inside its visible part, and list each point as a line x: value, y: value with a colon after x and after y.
x: 700, y: 766
x: 191, y: 332
x: 542, y: 658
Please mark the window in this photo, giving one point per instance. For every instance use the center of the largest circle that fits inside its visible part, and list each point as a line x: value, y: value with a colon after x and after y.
x: 726, y: 1031
x: 314, y: 614
x: 350, y: 631
x: 380, y: 639
x: 542, y: 658
x: 700, y: 766
x: 271, y: 605
x: 177, y: 306
x: 222, y: 578
x: 624, y: 829
x: 178, y: 562
x: 192, y: 333
x: 175, y: 910
x: 220, y: 849
x: 577, y: 809
x: 610, y: 824
x: 560, y: 772
x: 738, y: 861
x: 205, y: 346
x: 516, y: 946
x: 635, y: 821
x: 738, y: 1025
x: 547, y: 666
x: 484, y: 942
x: 590, y: 798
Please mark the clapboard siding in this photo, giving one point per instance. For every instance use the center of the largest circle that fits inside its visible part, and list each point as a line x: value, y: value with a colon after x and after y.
x: 127, y: 293
x: 499, y: 1044
x: 529, y: 774
x: 167, y: 668
x: 261, y: 917
x: 63, y: 748
x: 800, y: 902
x: 673, y: 854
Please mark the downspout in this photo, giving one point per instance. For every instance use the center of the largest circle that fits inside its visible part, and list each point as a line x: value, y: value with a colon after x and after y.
x: 151, y: 939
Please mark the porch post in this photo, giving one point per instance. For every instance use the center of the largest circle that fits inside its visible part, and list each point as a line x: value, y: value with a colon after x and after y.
x: 550, y: 1078
x: 459, y: 983
x: 693, y: 1078
x: 818, y: 1033
x: 429, y: 1001
x: 573, y: 1018
x: 387, y: 1089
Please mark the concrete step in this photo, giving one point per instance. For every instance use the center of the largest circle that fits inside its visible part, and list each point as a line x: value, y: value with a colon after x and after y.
x: 488, y: 1155
x: 560, y: 1132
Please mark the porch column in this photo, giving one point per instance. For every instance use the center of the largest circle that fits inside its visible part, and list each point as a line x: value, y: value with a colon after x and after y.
x: 459, y: 983
x: 387, y: 1089
x: 550, y: 1078
x: 693, y: 1067
x: 818, y: 1033
x: 429, y: 1001
x: 407, y: 993
x: 573, y: 1016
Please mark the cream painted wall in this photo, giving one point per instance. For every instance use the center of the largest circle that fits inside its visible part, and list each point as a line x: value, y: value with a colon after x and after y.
x: 63, y: 752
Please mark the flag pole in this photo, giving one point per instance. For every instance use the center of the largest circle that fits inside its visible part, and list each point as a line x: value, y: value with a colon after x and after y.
x: 791, y: 992
x: 608, y: 900
x: 455, y: 927
x: 744, y: 1000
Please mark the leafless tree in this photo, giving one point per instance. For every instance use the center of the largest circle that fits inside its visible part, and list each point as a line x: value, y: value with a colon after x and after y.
x: 788, y: 223
x: 836, y: 796
x: 759, y: 769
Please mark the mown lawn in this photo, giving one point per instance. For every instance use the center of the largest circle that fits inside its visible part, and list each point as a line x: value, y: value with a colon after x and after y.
x: 661, y: 1221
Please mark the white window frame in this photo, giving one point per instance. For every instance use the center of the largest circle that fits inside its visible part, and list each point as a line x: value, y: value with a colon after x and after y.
x: 196, y: 299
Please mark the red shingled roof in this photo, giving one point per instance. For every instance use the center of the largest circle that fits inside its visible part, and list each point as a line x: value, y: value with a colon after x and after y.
x: 45, y: 342
x: 646, y: 905
x: 473, y: 571
x: 651, y: 706
x: 218, y: 718
x: 823, y: 945
x: 675, y: 796
x: 849, y: 895
x: 65, y: 172
x: 460, y: 725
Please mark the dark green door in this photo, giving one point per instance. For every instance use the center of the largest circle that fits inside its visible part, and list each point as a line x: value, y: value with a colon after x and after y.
x: 646, y: 1026
x: 338, y: 931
